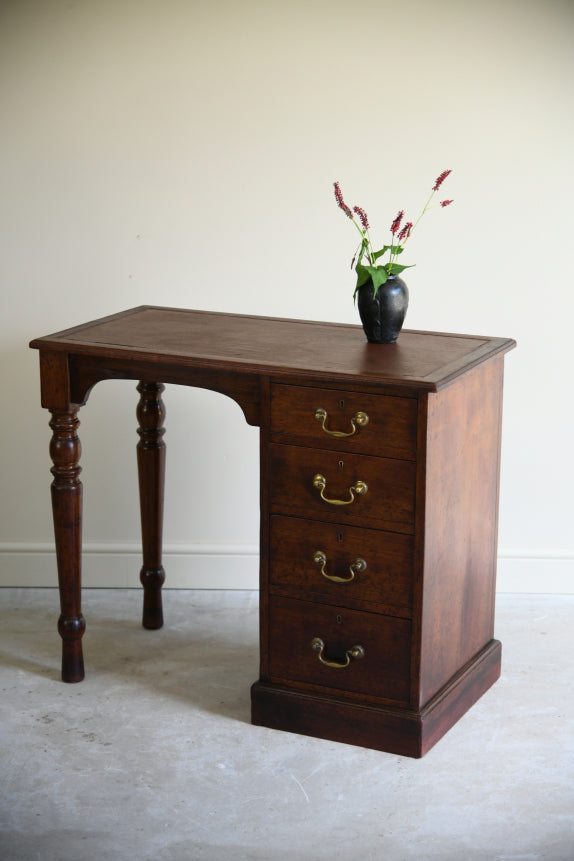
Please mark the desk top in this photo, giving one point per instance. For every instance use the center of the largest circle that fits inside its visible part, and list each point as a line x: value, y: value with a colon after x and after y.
x: 267, y: 345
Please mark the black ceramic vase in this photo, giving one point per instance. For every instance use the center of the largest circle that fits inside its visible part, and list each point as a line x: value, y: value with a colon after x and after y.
x: 383, y: 316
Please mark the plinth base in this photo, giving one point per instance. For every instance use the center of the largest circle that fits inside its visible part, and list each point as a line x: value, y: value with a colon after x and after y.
x: 400, y: 731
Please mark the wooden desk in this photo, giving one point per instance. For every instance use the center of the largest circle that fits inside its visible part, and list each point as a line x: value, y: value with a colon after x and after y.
x: 379, y: 506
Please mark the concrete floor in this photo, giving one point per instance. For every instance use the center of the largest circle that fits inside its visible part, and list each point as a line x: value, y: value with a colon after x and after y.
x: 153, y: 755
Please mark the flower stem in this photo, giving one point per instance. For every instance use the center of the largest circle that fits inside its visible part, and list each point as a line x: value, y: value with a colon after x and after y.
x: 365, y: 235
x: 426, y: 206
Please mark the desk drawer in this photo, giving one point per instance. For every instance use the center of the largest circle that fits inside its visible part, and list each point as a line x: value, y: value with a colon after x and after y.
x: 371, y: 566
x: 382, y: 671
x: 389, y: 497
x: 390, y: 429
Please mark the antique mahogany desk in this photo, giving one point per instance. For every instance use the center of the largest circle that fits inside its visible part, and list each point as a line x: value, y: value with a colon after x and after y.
x: 379, y: 502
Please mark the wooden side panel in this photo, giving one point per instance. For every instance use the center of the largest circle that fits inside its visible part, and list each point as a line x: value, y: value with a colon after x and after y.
x: 462, y: 453
x: 264, y: 530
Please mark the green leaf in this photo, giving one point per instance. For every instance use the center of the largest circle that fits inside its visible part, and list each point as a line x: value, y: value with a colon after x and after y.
x: 396, y: 268
x: 377, y: 274
x: 361, y: 250
x: 394, y: 249
x: 377, y: 254
x: 363, y: 274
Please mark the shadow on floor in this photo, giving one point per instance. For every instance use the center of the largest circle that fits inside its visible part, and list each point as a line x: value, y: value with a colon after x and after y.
x: 192, y: 658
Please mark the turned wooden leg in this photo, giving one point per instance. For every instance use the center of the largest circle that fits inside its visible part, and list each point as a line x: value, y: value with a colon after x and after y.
x: 151, y: 471
x: 65, y: 450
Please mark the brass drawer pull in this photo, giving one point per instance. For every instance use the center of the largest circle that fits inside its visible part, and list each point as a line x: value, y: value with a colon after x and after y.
x: 356, y: 652
x: 358, y: 565
x: 359, y: 419
x: 320, y: 483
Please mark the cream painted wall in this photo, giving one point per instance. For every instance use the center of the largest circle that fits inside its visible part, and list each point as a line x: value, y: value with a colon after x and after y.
x: 183, y: 153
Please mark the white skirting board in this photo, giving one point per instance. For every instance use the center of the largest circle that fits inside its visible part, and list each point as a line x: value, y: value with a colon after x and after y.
x: 236, y: 567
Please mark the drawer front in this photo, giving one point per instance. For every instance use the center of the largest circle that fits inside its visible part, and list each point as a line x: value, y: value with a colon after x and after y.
x: 383, y: 670
x: 390, y: 429
x: 389, y: 497
x: 367, y: 565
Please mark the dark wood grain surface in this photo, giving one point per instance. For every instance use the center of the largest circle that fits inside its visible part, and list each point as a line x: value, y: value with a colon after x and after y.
x: 420, y: 359
x: 383, y: 671
x: 391, y: 429
x: 388, y: 503
x: 461, y: 456
x: 385, y: 584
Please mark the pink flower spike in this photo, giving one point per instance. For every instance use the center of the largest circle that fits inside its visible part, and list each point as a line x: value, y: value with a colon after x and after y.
x: 440, y: 179
x: 446, y: 202
x: 406, y: 231
x: 338, y: 194
x: 396, y: 223
x: 340, y: 202
x: 363, y: 216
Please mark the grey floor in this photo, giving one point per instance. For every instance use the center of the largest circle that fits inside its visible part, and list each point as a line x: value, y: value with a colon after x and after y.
x: 153, y: 755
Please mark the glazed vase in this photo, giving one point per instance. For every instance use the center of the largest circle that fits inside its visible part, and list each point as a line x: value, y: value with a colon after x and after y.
x: 383, y: 315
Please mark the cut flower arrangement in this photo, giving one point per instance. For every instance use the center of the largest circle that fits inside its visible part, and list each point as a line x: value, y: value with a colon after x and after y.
x: 366, y: 259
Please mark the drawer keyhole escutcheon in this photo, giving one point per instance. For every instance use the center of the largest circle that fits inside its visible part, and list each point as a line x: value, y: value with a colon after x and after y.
x: 320, y: 483
x: 359, y: 420
x: 355, y: 652
x: 358, y: 565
